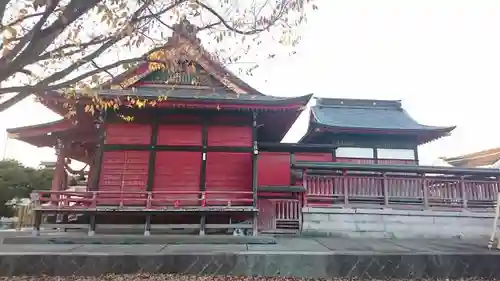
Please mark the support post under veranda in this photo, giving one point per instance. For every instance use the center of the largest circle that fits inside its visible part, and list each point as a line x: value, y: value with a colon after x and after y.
x: 495, y: 223
x: 37, y: 222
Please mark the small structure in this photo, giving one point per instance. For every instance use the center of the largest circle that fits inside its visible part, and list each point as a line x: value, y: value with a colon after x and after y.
x: 203, y: 154
x: 369, y: 131
x: 489, y: 158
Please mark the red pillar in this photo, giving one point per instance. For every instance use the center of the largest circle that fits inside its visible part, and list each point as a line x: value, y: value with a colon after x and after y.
x: 57, y: 181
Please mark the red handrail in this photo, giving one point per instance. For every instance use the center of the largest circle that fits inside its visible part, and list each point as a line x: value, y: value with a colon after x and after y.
x: 144, y: 199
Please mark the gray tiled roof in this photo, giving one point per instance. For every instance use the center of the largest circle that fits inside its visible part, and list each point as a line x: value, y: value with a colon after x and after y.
x: 201, y: 94
x: 367, y: 114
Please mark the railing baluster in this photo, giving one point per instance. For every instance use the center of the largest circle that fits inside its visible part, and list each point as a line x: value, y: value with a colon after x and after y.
x: 386, y: 190
x: 425, y: 189
x: 346, y: 187
x: 464, y: 192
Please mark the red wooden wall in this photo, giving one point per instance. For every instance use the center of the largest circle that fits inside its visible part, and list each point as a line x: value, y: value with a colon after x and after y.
x: 224, y: 135
x: 274, y: 167
x: 178, y: 172
x: 125, y: 171
x: 128, y: 133
x: 179, y: 134
x: 228, y: 172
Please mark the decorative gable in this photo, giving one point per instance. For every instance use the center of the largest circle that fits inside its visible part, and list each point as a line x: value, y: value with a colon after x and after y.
x: 183, y: 50
x: 187, y: 74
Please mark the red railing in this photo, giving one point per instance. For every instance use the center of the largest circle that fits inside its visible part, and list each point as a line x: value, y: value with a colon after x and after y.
x: 279, y: 214
x: 402, y: 191
x: 146, y: 200
x: 399, y: 186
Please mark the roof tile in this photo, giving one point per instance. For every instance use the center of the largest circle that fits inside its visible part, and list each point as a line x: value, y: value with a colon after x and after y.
x: 366, y: 114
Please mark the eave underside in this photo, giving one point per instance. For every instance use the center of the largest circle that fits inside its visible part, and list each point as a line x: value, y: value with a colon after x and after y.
x: 80, y: 140
x: 422, y: 136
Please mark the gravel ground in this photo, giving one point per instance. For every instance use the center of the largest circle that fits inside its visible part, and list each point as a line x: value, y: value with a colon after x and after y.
x: 175, y: 277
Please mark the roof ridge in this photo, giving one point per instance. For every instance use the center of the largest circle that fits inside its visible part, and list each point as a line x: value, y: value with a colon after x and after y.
x: 346, y: 102
x: 359, y: 107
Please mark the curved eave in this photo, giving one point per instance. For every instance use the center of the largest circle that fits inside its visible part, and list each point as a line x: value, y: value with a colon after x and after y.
x: 230, y: 103
x: 40, y: 129
x: 425, y: 135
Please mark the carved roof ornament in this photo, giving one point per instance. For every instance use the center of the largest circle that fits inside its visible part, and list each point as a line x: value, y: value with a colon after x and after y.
x: 185, y: 29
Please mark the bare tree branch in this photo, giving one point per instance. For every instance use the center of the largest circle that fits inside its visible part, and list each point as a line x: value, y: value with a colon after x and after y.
x: 41, y: 39
x: 57, y: 40
x: 3, y: 7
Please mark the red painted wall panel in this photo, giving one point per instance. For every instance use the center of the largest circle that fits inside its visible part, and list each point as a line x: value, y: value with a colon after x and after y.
x: 178, y: 171
x: 317, y: 157
x: 124, y: 171
x: 229, y: 136
x: 170, y: 134
x: 273, y: 169
x: 228, y: 171
x: 120, y: 133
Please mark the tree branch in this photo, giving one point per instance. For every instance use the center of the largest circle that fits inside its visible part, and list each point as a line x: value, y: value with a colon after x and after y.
x: 21, y: 19
x: 41, y: 40
x: 242, y: 32
x: 7, y: 68
x: 3, y: 7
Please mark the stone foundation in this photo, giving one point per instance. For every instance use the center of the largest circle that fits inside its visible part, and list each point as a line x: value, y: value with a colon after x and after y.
x: 311, y: 265
x: 389, y: 223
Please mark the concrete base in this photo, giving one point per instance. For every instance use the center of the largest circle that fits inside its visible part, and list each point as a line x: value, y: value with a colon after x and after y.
x: 311, y: 265
x: 383, y: 259
x: 138, y: 240
x: 389, y: 223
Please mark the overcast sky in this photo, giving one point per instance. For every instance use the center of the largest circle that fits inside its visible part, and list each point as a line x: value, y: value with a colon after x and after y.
x: 441, y: 58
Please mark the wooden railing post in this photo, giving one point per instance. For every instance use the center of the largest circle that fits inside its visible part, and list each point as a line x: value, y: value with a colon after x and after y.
x: 148, y: 200
x: 304, y: 182
x: 94, y: 199
x: 425, y: 190
x: 345, y: 187
x: 464, y: 192
x: 386, y: 189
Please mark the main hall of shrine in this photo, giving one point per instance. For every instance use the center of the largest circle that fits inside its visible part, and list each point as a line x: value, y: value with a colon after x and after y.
x: 193, y: 148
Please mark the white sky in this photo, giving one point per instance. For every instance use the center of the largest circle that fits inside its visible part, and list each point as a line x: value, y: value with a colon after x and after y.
x: 441, y: 58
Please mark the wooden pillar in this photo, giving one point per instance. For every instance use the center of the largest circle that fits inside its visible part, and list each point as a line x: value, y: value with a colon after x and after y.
x: 415, y: 153
x: 58, y: 180
x: 152, y: 155
x: 147, y: 226
x: 96, y: 169
x: 255, y: 155
x: 37, y: 223
x: 92, y: 224
x: 203, y: 224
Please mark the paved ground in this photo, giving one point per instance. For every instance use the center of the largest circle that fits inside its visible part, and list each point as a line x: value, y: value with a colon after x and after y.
x: 385, y: 259
x: 283, y: 245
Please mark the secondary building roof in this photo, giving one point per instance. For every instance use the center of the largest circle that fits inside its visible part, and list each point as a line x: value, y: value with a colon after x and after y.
x: 368, y: 116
